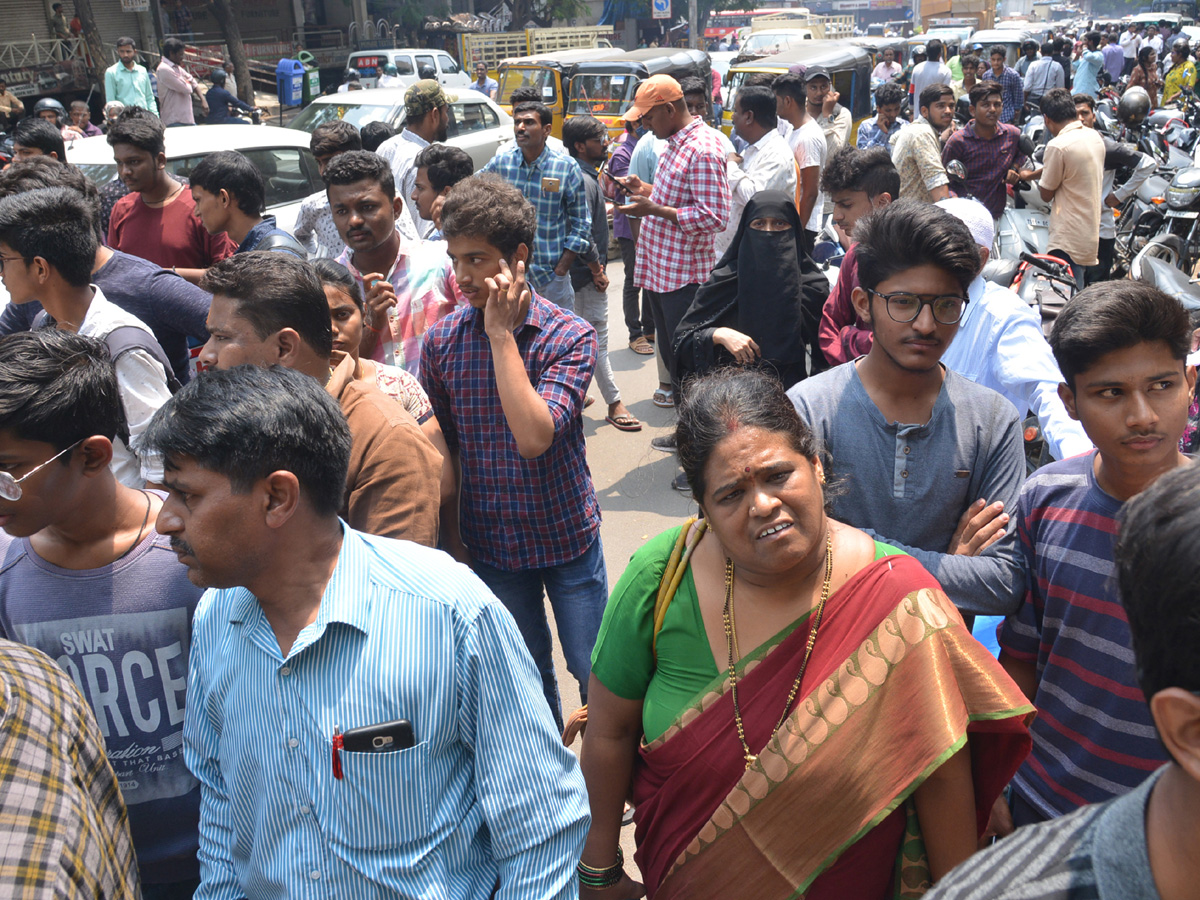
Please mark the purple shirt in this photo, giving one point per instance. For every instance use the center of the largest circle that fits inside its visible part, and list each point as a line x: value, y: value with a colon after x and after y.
x: 986, y: 162
x: 618, y: 164
x: 1114, y: 60
x: 517, y: 513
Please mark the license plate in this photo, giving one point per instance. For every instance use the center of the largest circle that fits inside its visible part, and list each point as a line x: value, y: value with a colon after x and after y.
x: 1182, y: 213
x: 1038, y: 222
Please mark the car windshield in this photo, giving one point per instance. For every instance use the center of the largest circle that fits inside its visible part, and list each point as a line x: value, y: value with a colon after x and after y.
x: 773, y: 42
x: 357, y: 114
x: 601, y: 95
x: 540, y: 79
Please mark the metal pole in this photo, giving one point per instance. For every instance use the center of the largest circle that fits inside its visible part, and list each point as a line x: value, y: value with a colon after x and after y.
x: 693, y: 25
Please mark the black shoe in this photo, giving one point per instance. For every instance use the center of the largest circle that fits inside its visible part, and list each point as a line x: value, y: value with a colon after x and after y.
x: 665, y: 443
x: 681, y: 484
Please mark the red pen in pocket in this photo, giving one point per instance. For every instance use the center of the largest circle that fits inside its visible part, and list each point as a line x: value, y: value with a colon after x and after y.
x: 337, y: 758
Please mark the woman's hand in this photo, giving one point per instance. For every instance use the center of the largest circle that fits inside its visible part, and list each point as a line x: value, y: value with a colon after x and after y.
x: 625, y: 889
x: 741, y: 346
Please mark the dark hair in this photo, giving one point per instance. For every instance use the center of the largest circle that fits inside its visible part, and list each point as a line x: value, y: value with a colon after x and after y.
x: 871, y: 171
x: 1084, y: 98
x: 541, y: 110
x: 524, y: 94
x: 888, y: 93
x: 171, y: 46
x: 759, y: 79
x: 791, y: 85
x: 373, y: 134
x: 125, y: 42
x: 581, y: 129
x: 43, y: 172
x: 1114, y: 315
x: 983, y: 90
x: 933, y: 51
x: 1001, y: 49
x: 139, y: 128
x: 1092, y: 37
x: 1057, y: 106
x: 36, y: 132
x: 338, y: 136
x: 933, y: 93
x: 55, y: 223
x: 1062, y: 45
x: 446, y: 165
x: 249, y: 421
x: 716, y: 405
x: 693, y: 85
x: 1143, y: 57
x: 1158, y: 567
x: 970, y: 61
x: 354, y: 166
x: 488, y: 207
x: 331, y: 272
x: 231, y: 171
x: 274, y: 291
x: 1048, y: 49
x: 59, y: 387
x: 759, y: 101
x: 911, y: 233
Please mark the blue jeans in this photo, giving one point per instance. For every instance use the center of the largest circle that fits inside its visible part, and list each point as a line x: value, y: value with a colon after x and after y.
x: 558, y: 290
x: 578, y: 592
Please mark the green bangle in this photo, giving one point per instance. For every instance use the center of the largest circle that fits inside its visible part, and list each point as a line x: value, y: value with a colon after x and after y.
x: 598, y: 879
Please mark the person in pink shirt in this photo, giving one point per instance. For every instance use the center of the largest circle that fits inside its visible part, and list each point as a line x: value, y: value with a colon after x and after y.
x: 176, y: 86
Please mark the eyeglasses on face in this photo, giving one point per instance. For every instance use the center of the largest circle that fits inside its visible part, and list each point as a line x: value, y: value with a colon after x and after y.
x: 7, y: 259
x: 904, y: 307
x: 10, y: 488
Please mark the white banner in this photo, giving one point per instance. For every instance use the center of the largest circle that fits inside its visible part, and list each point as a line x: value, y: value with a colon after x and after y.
x: 135, y: 6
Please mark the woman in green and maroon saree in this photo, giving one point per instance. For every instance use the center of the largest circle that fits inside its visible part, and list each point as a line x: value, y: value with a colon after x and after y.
x: 864, y: 735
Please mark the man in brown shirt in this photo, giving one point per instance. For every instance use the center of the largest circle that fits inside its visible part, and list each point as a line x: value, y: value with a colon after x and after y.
x: 270, y: 309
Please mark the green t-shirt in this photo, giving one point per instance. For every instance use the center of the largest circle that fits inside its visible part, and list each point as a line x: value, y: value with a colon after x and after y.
x: 623, y: 658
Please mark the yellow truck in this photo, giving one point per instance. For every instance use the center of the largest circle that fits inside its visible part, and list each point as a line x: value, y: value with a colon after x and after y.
x: 492, y: 48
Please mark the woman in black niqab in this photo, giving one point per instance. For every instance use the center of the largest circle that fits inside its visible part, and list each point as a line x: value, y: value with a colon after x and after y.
x: 751, y: 309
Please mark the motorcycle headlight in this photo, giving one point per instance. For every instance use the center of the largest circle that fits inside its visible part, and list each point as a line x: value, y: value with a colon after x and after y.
x: 1182, y: 197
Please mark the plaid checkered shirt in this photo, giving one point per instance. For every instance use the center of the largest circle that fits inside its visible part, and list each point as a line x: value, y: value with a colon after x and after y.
x: 63, y: 827
x: 517, y: 513
x: 1012, y: 92
x: 691, y: 177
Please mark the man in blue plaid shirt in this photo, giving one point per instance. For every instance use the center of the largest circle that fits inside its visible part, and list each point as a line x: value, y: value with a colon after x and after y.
x: 1012, y: 87
x: 552, y: 182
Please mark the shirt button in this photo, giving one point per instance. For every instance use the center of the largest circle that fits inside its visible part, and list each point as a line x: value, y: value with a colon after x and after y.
x: 304, y: 810
x: 287, y: 670
x: 904, y: 474
x: 907, y: 450
x: 292, y: 742
x: 314, y: 875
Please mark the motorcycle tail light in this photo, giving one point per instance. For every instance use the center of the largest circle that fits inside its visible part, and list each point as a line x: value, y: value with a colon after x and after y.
x: 1031, y: 433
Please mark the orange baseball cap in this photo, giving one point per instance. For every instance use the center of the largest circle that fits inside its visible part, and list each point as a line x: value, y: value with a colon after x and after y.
x: 654, y: 91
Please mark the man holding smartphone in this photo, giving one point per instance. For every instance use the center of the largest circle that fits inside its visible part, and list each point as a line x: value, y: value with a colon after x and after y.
x: 362, y: 714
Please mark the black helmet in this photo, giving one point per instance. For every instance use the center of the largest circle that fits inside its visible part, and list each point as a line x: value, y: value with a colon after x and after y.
x: 49, y: 103
x: 918, y: 50
x: 1133, y: 107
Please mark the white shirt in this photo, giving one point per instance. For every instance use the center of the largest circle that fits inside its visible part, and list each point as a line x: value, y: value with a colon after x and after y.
x: 1157, y: 43
x: 1145, y: 168
x: 1130, y: 44
x: 387, y: 81
x: 1000, y: 345
x: 315, y: 228
x: 928, y: 73
x: 143, y: 387
x: 401, y: 153
x: 767, y: 165
x: 1043, y: 75
x: 810, y: 149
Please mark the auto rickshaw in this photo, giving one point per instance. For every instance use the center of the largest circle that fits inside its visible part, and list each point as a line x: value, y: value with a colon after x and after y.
x: 550, y: 73
x: 605, y: 88
x: 849, y: 67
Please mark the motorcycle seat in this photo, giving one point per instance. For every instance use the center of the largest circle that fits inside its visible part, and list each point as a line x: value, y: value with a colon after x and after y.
x: 1170, y: 280
x: 1001, y: 271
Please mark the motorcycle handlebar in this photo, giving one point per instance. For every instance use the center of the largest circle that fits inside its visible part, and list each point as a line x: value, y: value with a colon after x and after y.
x: 1046, y: 266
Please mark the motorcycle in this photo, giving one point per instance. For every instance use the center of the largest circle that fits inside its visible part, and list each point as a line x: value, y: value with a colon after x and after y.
x: 1157, y: 265
x: 1043, y: 282
x: 1182, y: 217
x: 1024, y: 227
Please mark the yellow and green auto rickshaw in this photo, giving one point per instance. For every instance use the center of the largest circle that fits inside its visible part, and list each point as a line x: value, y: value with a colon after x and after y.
x: 549, y: 74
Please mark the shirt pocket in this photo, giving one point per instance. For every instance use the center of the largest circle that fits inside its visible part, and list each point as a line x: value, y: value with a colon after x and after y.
x: 382, y: 799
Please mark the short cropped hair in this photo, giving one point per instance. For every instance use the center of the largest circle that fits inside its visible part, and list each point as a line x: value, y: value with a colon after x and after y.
x: 139, y: 128
x: 171, y: 46
x: 56, y: 224
x: 933, y: 50
x: 541, y: 110
x: 125, y: 42
x: 373, y: 134
x: 249, y: 421
x: 446, y: 165
x: 983, y: 90
x: 488, y: 207
x: 1058, y: 106
x: 1158, y: 568
x: 1115, y: 315
x: 1084, y: 98
x: 274, y: 291
x: 911, y: 233
x: 44, y: 172
x: 338, y: 136
x: 888, y: 94
x: 759, y: 101
x: 1048, y: 49
x: 578, y: 130
x: 40, y: 134
x: 58, y: 387
x: 360, y: 165
x: 791, y: 85
x: 852, y: 169
x: 231, y: 171
x: 933, y: 93
x: 693, y: 85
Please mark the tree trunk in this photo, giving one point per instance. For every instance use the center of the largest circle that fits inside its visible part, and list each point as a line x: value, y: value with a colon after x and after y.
x: 223, y: 13
x: 93, y: 42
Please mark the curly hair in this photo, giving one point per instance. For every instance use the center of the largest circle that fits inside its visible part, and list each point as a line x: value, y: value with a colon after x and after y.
x: 488, y: 207
x: 354, y: 166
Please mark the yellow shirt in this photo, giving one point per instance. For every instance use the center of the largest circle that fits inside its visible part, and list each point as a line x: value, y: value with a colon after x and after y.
x: 1074, y: 170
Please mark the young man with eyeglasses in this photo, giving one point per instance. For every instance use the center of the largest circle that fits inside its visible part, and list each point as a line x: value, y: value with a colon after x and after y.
x: 925, y: 459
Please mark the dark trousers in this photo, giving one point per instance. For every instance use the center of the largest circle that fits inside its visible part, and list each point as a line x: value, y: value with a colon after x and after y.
x: 1130, y: 62
x: 668, y: 309
x: 1104, y: 256
x: 1023, y: 812
x: 639, y: 322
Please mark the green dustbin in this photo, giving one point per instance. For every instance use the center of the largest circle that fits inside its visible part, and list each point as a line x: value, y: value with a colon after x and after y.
x: 312, y: 76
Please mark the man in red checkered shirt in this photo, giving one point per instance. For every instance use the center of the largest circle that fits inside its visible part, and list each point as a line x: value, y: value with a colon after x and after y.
x: 687, y: 207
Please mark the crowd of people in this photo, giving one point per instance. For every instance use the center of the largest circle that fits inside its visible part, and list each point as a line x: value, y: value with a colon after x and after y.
x: 278, y: 628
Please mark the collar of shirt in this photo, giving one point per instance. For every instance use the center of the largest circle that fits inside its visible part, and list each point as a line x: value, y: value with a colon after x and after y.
x: 414, y: 138
x: 402, y: 251
x: 1070, y: 126
x: 685, y: 132
x: 541, y: 160
x: 975, y: 292
x: 255, y: 235
x: 1121, y: 859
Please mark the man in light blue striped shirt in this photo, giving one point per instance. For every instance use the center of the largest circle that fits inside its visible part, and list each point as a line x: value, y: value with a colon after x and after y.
x: 310, y: 630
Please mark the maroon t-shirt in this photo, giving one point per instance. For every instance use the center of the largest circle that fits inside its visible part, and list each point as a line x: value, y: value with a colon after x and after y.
x: 170, y: 236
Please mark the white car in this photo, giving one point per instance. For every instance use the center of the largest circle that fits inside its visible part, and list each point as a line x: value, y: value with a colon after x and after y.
x: 281, y: 154
x: 409, y: 64
x: 477, y: 124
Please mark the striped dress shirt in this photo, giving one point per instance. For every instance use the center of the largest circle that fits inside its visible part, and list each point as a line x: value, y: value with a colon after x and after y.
x: 487, y: 795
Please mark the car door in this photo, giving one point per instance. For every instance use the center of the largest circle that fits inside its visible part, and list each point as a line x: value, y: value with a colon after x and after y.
x: 449, y: 73
x: 475, y: 127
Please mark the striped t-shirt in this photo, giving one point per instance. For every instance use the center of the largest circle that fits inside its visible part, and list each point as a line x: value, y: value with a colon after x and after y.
x: 1093, y: 737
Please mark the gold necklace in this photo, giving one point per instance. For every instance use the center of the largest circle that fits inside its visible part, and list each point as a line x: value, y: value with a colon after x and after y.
x: 731, y: 643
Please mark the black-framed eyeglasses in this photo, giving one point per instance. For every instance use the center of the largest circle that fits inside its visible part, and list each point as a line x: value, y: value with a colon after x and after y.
x: 10, y: 488
x: 7, y: 259
x: 904, y: 307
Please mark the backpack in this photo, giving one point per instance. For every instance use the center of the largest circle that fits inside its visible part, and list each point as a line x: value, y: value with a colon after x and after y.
x: 123, y: 339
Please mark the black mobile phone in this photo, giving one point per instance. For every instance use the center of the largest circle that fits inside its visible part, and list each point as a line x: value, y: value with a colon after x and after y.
x: 385, y: 737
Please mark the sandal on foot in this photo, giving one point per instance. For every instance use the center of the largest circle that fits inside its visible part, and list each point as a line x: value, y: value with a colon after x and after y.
x: 624, y: 423
x: 642, y: 346
x: 665, y: 399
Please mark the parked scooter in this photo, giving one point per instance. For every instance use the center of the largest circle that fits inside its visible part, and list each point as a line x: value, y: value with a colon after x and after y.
x: 1025, y: 228
x: 1044, y: 282
x: 1157, y: 265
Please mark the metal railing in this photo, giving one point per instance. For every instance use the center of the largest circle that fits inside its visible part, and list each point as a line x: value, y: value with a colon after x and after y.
x: 38, y: 51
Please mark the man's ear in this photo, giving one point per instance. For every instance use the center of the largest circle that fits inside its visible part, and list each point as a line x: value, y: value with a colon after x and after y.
x: 879, y: 201
x: 521, y: 255
x: 1067, y: 396
x: 862, y: 304
x: 1176, y: 714
x: 288, y: 345
x: 97, y: 454
x: 226, y: 198
x: 281, y: 492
